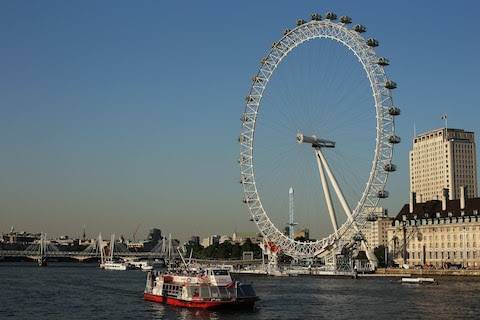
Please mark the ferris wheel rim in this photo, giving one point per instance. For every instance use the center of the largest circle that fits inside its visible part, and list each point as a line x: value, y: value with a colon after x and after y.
x: 384, y: 125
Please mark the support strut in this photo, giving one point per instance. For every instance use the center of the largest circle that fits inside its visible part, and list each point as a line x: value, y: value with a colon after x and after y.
x: 326, y: 191
x: 337, y: 189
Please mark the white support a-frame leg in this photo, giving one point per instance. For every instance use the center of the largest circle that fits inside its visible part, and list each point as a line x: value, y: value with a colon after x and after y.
x: 336, y: 188
x: 326, y: 191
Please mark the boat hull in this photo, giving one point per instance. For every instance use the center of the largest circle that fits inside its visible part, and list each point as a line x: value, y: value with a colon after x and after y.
x: 200, y: 304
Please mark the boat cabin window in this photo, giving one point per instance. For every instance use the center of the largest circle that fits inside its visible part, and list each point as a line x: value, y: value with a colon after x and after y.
x: 193, y: 292
x: 225, y: 292
x: 220, y: 272
x: 204, y: 292
x: 171, y: 290
x: 214, y: 292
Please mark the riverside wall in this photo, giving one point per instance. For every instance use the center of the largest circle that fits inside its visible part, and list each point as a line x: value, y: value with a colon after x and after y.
x: 427, y: 272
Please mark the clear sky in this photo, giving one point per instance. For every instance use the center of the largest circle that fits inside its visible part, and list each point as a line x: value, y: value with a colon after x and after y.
x: 123, y: 113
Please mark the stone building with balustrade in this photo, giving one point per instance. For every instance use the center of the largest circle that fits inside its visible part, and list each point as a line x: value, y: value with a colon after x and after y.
x: 437, y: 233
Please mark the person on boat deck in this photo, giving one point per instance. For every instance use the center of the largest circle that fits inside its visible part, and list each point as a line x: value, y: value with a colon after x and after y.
x: 195, y: 293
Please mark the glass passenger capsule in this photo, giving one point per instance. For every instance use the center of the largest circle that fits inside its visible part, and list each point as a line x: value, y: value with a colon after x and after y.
x: 394, y: 111
x: 372, y: 42
x: 383, y: 61
x: 331, y: 16
x: 394, y: 139
x: 345, y: 19
x: 390, y: 167
x: 316, y: 17
x: 382, y: 194
x: 390, y: 84
x: 300, y: 22
x: 360, y: 28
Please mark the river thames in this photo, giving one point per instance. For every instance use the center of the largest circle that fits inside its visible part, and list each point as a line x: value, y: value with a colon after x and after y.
x: 82, y: 291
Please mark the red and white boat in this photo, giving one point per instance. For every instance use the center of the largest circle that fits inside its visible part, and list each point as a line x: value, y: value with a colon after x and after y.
x: 208, y: 289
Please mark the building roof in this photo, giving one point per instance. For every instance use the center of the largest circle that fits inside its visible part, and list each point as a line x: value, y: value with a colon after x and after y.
x: 458, y: 135
x: 429, y: 209
x: 429, y: 132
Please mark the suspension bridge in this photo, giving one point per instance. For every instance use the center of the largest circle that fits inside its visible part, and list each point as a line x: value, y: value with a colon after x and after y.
x: 44, y: 249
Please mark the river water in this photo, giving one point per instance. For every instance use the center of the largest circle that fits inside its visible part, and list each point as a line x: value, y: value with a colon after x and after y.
x: 82, y: 291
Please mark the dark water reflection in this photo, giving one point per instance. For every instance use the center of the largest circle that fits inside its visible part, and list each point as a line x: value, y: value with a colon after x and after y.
x: 76, y: 291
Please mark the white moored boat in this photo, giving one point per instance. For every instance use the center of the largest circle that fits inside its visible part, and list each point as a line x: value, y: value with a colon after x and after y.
x: 418, y: 280
x: 143, y: 265
x: 110, y: 264
x: 114, y: 266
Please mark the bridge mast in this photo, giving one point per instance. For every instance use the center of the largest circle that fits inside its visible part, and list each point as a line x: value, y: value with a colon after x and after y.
x: 42, y: 258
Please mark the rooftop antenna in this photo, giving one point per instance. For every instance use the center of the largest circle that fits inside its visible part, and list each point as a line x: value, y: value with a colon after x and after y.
x: 444, y: 117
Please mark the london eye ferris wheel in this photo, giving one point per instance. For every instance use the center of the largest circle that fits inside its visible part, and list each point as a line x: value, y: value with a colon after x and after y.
x: 320, y: 117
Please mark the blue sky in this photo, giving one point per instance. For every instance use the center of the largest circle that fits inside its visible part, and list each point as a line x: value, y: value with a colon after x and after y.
x: 118, y: 113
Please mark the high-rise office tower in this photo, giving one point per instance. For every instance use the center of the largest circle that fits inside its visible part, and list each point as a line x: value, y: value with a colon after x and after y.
x: 443, y: 159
